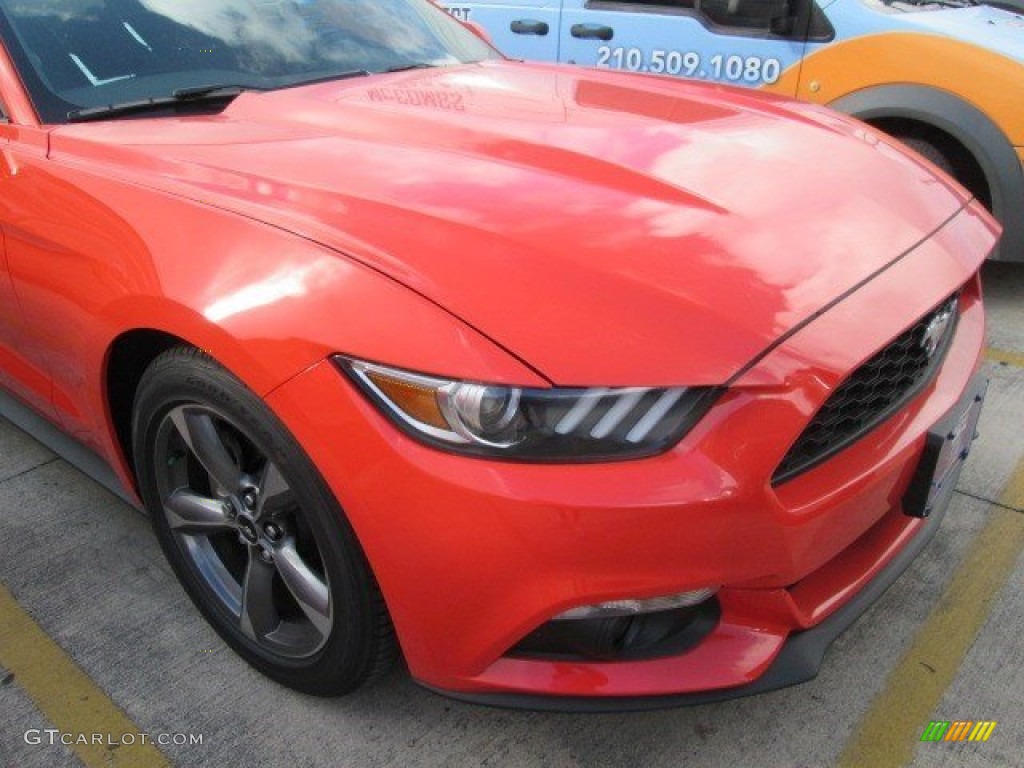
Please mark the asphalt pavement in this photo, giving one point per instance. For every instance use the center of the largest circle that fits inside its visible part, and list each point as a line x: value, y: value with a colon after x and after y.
x: 99, y: 644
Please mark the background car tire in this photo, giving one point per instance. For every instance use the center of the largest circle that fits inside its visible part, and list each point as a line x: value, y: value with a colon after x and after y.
x: 929, y: 151
x: 257, y: 568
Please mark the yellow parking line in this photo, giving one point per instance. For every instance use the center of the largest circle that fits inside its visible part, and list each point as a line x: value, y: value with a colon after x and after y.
x: 892, y: 727
x: 65, y: 696
x: 1002, y: 356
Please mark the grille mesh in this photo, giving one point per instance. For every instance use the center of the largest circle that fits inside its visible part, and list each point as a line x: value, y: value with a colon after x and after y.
x: 872, y: 393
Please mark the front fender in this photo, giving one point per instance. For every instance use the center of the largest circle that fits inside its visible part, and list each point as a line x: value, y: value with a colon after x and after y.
x: 265, y: 303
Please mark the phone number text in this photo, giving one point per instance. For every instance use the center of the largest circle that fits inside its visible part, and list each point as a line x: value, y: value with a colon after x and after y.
x: 742, y: 69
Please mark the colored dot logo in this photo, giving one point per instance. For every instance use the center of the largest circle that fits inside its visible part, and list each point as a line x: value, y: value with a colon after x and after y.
x: 959, y: 730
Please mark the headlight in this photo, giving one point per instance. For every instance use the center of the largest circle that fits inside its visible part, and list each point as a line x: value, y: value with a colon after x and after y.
x: 597, y: 423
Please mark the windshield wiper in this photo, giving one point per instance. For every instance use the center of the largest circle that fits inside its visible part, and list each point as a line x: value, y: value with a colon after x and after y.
x: 328, y: 78
x: 411, y: 65
x: 204, y: 94
x: 220, y: 90
x: 353, y: 73
x: 201, y: 94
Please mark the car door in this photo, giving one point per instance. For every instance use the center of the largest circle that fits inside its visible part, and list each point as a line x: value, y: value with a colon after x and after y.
x: 521, y: 29
x: 753, y: 43
x: 21, y: 368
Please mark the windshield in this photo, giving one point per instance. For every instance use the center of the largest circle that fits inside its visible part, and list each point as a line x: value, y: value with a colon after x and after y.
x: 80, y: 54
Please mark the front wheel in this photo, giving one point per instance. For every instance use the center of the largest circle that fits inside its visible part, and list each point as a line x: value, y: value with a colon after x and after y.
x: 255, y: 537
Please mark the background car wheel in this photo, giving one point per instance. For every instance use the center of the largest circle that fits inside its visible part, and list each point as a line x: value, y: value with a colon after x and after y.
x: 254, y: 535
x: 929, y: 151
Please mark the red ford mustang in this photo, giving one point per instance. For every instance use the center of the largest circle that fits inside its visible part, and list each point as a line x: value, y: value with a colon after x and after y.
x: 583, y: 389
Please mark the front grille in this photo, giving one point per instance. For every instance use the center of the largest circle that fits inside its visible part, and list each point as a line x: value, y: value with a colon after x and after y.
x: 873, y: 392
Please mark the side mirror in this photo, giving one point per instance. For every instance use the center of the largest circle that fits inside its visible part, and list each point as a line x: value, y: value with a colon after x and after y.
x: 479, y: 31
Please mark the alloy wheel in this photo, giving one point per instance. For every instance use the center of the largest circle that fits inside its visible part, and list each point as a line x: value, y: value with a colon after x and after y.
x: 241, y: 530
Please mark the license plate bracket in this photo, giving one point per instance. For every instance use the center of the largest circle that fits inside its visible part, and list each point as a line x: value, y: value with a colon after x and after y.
x: 947, y: 446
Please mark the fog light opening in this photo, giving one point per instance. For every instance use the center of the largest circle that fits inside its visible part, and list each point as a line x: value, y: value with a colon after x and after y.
x: 616, y: 608
x: 625, y: 630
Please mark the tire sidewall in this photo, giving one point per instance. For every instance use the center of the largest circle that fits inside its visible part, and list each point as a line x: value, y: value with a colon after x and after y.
x: 343, y: 662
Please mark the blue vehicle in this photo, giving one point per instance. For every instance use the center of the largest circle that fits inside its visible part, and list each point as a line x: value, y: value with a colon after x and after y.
x: 944, y: 76
x: 1015, y: 6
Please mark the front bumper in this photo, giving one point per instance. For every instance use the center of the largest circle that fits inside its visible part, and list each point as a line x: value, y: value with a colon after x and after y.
x: 474, y: 555
x: 800, y: 657
x: 797, y: 662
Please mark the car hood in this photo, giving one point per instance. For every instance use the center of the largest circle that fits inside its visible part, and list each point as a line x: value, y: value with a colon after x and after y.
x: 607, y: 229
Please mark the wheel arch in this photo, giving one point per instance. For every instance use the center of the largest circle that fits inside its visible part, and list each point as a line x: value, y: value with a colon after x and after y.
x: 968, y: 126
x: 139, y: 331
x: 128, y: 357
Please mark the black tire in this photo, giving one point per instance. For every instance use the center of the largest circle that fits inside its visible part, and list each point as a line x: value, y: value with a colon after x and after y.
x: 929, y: 151
x: 281, y: 560
x: 951, y: 157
